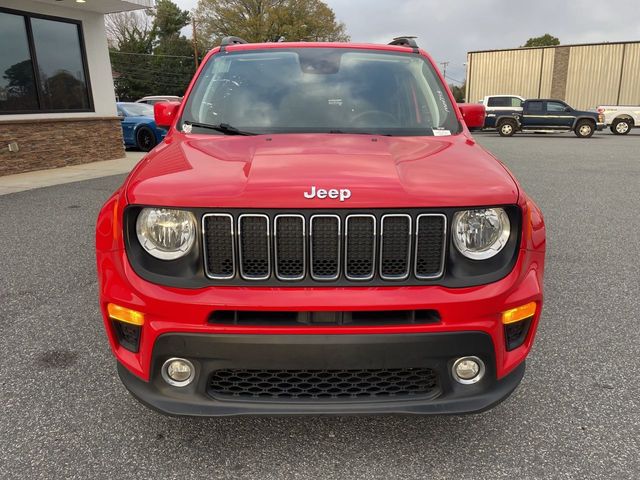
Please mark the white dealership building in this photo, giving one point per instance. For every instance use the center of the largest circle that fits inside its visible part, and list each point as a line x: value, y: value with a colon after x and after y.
x: 57, y: 102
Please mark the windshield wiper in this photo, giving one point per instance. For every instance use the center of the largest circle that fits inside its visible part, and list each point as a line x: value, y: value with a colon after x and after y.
x: 220, y: 127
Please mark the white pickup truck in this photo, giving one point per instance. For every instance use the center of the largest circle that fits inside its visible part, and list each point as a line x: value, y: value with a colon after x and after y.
x: 620, y: 119
x: 495, y: 104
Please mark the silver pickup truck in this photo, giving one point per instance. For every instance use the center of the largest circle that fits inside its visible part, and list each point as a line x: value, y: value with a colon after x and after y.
x: 620, y: 119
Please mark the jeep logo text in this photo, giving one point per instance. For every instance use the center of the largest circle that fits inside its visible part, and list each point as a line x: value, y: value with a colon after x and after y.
x: 343, y: 194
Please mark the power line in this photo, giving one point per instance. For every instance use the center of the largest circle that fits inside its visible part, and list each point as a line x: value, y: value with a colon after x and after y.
x: 444, y: 68
x: 129, y: 69
x: 151, y: 54
x: 167, y: 83
x: 454, y: 79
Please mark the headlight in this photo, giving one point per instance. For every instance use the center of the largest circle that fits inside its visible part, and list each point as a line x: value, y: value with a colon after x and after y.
x: 165, y: 233
x: 482, y: 233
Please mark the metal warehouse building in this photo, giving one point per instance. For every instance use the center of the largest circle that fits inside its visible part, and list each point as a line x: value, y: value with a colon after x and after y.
x: 585, y: 76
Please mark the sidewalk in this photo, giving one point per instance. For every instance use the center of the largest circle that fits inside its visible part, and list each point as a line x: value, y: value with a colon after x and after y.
x: 76, y: 173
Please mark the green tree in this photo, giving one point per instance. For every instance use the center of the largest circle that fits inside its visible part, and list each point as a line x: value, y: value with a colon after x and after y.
x: 458, y: 92
x: 149, y: 56
x: 173, y: 52
x: 168, y: 19
x: 546, y: 40
x: 168, y: 22
x: 268, y: 21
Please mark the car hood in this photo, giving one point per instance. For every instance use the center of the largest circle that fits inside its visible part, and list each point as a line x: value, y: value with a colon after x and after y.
x: 586, y: 113
x: 144, y: 118
x: 275, y: 172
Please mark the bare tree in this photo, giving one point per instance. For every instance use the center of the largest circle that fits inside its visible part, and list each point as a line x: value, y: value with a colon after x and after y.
x: 124, y: 27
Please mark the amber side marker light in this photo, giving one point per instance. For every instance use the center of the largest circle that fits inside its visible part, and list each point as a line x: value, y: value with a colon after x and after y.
x: 519, y: 313
x: 126, y: 315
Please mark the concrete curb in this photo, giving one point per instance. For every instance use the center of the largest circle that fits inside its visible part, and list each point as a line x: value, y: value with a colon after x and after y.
x: 76, y: 173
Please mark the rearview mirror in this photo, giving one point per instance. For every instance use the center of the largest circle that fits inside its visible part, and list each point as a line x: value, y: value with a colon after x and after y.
x: 165, y: 113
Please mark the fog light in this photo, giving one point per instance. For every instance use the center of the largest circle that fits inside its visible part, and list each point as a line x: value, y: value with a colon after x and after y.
x: 178, y: 372
x: 468, y: 370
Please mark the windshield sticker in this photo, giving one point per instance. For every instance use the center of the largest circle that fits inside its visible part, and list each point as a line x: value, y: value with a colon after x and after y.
x: 186, y: 128
x: 335, y: 101
x: 443, y: 100
x: 439, y: 132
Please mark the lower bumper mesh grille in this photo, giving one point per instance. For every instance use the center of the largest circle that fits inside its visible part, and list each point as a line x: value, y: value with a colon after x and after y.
x: 278, y: 385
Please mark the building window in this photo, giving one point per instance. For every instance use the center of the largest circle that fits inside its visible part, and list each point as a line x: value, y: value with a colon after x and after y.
x: 45, y: 68
x: 17, y: 87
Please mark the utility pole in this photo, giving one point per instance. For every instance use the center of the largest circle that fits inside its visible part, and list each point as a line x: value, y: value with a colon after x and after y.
x: 444, y: 68
x: 195, y: 40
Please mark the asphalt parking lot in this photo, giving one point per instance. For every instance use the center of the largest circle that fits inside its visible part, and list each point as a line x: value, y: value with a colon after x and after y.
x: 576, y: 414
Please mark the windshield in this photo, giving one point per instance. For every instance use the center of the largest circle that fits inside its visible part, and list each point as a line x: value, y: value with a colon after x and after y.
x: 137, y: 109
x: 321, y: 90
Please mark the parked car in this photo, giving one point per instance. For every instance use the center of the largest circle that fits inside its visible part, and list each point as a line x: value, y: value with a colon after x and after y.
x: 496, y: 104
x: 474, y: 115
x: 620, y: 119
x: 152, y: 100
x: 548, y: 116
x: 319, y: 233
x: 139, y: 127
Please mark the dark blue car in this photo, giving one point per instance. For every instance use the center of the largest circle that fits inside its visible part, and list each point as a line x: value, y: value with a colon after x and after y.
x: 139, y: 128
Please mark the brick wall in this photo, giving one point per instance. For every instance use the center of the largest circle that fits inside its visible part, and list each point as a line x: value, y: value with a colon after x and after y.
x: 52, y: 143
x: 560, y: 73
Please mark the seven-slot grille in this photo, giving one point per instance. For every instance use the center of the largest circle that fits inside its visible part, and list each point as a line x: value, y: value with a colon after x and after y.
x: 355, y: 247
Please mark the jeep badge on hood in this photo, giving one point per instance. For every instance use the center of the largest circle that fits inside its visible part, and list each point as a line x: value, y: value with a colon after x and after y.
x: 343, y: 194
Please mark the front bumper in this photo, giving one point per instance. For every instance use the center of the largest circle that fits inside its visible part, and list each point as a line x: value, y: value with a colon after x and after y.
x: 177, y: 325
x: 210, y: 353
x: 184, y: 315
x: 600, y: 126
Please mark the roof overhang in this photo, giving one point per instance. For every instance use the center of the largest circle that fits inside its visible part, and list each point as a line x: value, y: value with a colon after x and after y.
x: 102, y: 6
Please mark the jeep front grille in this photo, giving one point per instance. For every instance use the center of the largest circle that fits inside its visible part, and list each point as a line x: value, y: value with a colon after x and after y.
x: 350, y: 247
x: 255, y: 247
x: 325, y: 238
x: 360, y: 248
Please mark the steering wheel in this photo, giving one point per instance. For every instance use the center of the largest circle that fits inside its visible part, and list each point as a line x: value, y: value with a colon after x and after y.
x: 374, y: 115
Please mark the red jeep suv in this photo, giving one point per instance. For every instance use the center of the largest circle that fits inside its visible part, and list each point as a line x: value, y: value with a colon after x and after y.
x: 319, y: 233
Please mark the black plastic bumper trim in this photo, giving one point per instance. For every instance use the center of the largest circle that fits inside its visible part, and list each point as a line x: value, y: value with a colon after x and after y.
x: 210, y: 352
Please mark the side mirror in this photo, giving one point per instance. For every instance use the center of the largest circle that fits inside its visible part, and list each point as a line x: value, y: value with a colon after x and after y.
x: 165, y: 113
x: 567, y: 109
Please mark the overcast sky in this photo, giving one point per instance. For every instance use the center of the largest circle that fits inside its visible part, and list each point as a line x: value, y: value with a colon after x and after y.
x: 448, y: 29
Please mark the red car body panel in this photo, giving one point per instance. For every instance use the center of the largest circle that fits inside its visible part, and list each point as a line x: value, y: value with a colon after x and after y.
x: 272, y: 171
x: 474, y: 114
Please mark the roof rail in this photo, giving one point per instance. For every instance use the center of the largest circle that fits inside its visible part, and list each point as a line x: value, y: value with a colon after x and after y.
x: 232, y: 41
x: 407, y: 41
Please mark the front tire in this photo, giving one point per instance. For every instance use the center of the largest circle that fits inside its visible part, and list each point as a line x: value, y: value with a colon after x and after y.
x: 145, y: 139
x: 621, y: 126
x: 585, y: 129
x: 507, y: 128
